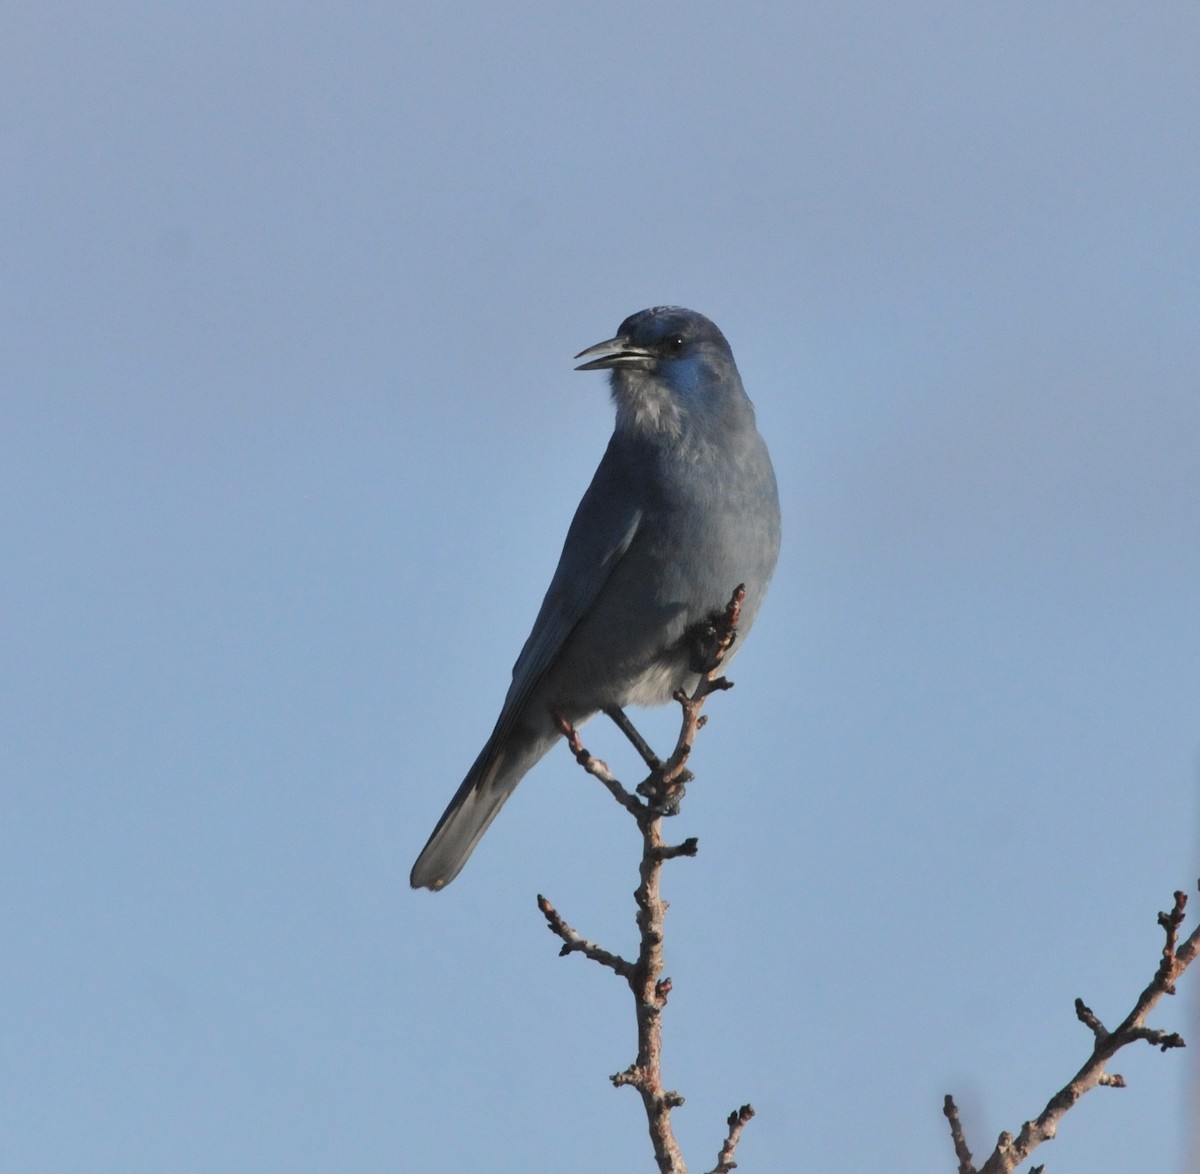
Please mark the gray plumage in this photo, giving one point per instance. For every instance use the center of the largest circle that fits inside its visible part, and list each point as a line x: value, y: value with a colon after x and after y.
x: 682, y: 508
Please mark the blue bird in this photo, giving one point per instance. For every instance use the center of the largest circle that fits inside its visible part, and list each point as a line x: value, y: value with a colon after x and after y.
x: 682, y: 508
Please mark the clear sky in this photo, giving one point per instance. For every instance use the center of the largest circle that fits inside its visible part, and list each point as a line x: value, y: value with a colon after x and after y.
x: 290, y: 439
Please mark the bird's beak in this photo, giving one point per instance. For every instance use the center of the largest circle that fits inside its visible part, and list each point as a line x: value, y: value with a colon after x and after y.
x: 614, y: 353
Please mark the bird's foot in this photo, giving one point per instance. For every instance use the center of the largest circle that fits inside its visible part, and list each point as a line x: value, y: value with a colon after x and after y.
x: 709, y: 641
x: 662, y: 796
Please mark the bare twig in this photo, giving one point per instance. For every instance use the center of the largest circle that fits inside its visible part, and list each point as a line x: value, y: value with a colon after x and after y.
x: 573, y: 943
x: 595, y: 767
x: 737, y: 1122
x: 1010, y: 1152
x: 961, y: 1151
x: 662, y: 790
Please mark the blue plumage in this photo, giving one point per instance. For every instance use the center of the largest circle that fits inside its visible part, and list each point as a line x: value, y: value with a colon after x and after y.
x: 682, y: 508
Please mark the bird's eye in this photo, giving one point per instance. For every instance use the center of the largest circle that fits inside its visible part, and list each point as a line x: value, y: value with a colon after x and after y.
x: 672, y: 345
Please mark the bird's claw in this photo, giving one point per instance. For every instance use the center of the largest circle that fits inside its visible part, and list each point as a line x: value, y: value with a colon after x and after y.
x: 665, y: 798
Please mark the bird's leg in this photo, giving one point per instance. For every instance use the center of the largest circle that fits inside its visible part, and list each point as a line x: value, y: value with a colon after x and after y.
x: 663, y: 798
x: 618, y: 717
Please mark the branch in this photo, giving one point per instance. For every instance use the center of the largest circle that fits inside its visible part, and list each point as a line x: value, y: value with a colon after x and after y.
x: 737, y: 1122
x: 1010, y: 1152
x: 595, y: 767
x: 961, y: 1152
x: 662, y: 790
x: 573, y: 943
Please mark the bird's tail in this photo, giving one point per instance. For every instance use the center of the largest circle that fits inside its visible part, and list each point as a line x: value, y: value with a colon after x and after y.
x: 495, y: 775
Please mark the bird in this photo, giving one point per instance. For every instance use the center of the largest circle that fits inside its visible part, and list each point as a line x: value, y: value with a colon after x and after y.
x: 682, y: 508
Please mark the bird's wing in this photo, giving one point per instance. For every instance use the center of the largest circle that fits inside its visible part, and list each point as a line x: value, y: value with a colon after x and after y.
x: 601, y: 532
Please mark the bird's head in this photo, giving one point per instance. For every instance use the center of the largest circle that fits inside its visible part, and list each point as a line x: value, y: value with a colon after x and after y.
x: 669, y: 366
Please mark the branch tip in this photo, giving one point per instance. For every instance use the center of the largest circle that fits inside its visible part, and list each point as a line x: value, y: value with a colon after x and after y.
x: 961, y: 1152
x: 735, y: 1123
x: 1088, y: 1017
x: 689, y: 847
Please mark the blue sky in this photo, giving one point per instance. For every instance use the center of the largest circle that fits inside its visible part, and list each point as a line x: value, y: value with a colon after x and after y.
x: 291, y: 439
